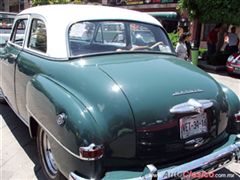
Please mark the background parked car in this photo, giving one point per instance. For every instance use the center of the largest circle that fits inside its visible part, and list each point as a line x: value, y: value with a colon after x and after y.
x: 6, y: 22
x: 233, y: 64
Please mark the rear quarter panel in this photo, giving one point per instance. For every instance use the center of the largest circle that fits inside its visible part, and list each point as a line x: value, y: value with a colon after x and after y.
x: 45, y: 100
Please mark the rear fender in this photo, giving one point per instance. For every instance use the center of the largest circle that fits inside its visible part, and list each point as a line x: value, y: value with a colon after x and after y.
x: 234, y: 107
x: 46, y: 99
x: 232, y: 99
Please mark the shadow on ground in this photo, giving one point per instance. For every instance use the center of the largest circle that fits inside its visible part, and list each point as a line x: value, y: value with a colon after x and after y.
x: 21, y: 133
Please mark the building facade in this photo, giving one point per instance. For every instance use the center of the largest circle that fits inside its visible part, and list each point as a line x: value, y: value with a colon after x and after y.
x: 157, y: 6
x: 14, y: 5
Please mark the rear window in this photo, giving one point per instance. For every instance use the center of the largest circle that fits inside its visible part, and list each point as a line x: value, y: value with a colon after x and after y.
x: 93, y: 37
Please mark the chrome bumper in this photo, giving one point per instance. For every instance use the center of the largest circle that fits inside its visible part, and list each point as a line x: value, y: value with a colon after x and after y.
x: 208, y: 163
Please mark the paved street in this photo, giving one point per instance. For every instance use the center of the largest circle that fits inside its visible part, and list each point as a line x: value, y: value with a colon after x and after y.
x: 19, y: 159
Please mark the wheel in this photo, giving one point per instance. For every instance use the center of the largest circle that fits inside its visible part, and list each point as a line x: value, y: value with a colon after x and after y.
x: 48, y: 163
x: 2, y: 100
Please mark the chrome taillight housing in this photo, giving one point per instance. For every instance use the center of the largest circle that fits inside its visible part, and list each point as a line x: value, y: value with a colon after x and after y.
x: 237, y: 117
x: 91, y: 152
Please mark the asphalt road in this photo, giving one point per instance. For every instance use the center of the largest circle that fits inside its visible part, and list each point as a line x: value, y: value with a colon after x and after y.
x: 19, y: 159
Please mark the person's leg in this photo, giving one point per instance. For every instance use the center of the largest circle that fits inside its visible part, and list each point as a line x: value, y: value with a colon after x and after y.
x: 211, y: 49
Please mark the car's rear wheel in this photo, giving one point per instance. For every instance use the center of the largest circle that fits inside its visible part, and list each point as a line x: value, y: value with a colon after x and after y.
x: 47, y: 160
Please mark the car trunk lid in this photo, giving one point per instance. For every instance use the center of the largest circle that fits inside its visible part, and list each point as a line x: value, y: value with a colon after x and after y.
x: 155, y: 86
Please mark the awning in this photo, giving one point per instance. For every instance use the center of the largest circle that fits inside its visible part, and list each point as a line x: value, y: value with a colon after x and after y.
x: 168, y: 15
x: 7, y: 14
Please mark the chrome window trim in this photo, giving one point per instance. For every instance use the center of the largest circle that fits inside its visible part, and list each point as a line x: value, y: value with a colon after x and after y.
x: 33, y: 17
x: 110, y: 52
x: 17, y: 18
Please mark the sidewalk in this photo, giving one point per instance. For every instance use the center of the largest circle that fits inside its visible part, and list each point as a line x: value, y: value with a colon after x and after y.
x: 231, y: 82
x: 204, y: 65
x: 19, y: 159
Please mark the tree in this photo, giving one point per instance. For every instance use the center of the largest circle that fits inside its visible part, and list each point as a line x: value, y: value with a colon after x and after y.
x: 43, y: 2
x: 40, y: 2
x: 215, y: 11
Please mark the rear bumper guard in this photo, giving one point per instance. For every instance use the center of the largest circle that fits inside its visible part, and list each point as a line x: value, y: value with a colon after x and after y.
x: 208, y: 163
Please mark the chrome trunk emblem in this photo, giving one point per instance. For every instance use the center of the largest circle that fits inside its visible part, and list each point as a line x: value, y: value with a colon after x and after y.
x: 192, y: 105
x: 191, y: 91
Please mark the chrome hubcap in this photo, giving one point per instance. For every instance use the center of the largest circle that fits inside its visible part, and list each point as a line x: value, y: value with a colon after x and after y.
x: 49, y: 158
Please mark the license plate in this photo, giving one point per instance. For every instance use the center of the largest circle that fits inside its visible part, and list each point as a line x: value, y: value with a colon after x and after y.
x: 193, y: 125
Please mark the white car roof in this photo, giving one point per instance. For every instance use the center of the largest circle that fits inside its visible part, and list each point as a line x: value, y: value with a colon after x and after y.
x: 58, y: 18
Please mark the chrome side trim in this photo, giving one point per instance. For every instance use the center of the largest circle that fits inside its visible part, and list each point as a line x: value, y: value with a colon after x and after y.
x: 192, y: 105
x: 208, y: 163
x: 45, y: 129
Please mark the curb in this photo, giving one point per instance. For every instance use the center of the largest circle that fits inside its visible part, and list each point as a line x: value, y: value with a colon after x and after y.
x: 204, y: 65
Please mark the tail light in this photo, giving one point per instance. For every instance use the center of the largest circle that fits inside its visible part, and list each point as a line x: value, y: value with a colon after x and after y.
x: 91, y: 152
x: 237, y: 117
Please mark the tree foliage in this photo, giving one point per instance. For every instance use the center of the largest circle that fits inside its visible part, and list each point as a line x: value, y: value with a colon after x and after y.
x: 39, y: 2
x: 216, y: 11
x: 43, y: 2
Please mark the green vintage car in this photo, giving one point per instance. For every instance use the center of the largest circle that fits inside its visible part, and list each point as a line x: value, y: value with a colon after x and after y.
x: 105, y: 96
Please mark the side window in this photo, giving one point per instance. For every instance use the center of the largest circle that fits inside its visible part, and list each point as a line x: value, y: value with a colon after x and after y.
x: 18, y: 34
x: 38, y: 36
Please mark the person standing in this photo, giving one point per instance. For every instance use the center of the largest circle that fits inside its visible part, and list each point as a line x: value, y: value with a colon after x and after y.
x: 188, y: 44
x: 181, y: 48
x: 212, y: 40
x: 221, y: 35
x: 233, y: 41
